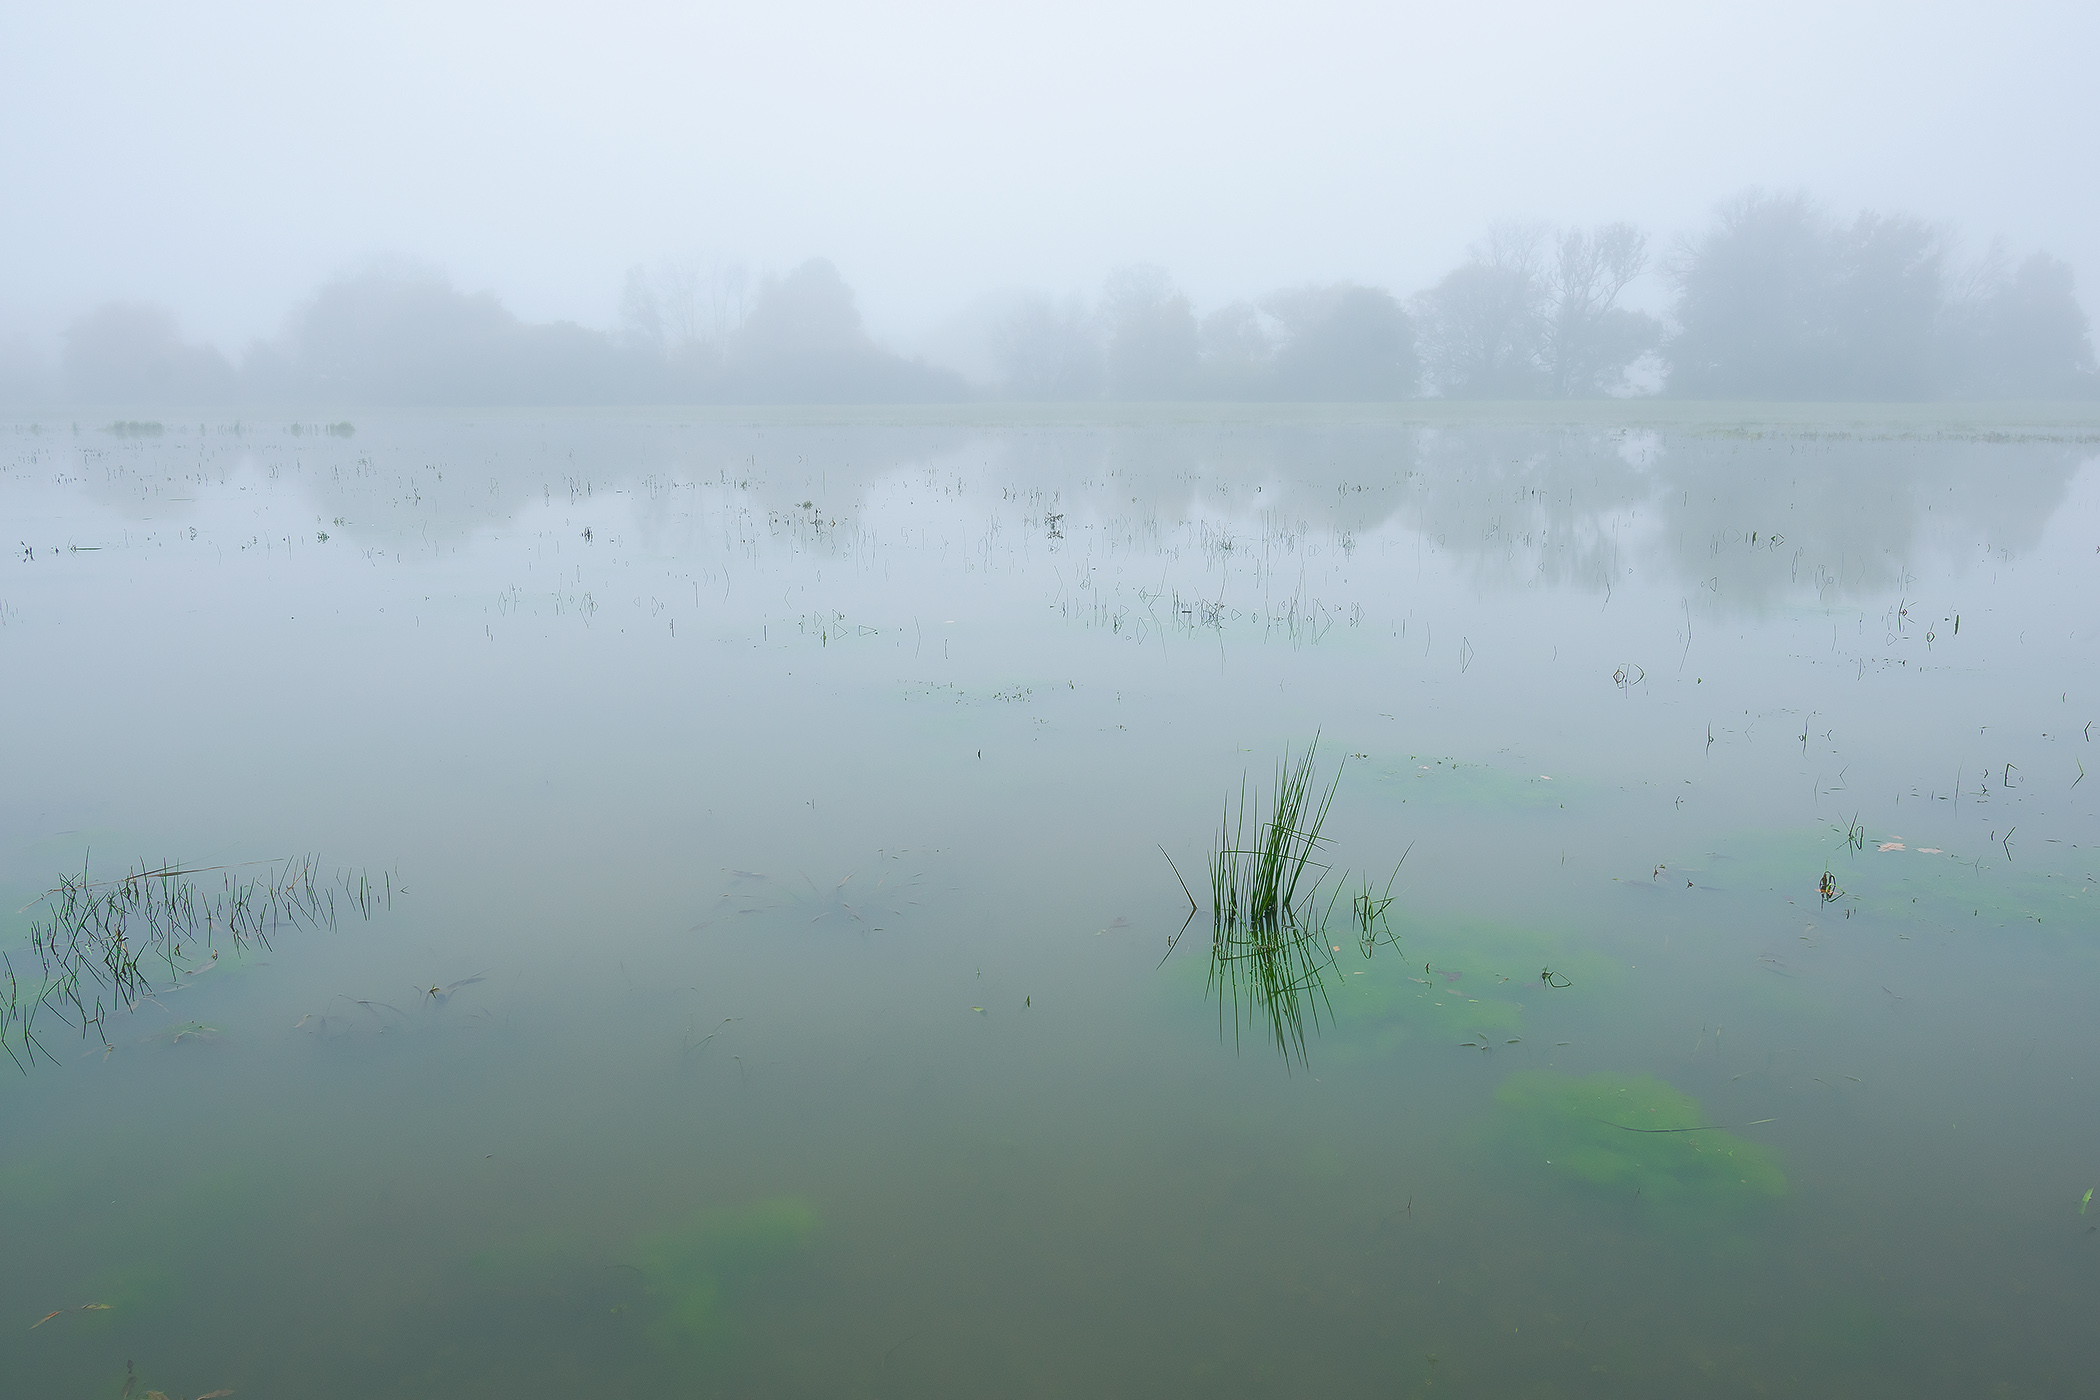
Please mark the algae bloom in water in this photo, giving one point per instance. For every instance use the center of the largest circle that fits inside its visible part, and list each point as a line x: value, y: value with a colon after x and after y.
x: 695, y: 1268
x: 1638, y: 1136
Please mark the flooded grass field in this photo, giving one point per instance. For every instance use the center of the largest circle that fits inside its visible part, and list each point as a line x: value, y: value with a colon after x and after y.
x: 1245, y: 903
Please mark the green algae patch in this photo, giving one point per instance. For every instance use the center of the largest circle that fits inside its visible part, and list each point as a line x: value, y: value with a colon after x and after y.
x: 694, y: 1270
x: 1454, y: 979
x: 1639, y: 1138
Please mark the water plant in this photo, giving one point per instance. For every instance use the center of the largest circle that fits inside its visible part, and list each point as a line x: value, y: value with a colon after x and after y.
x: 113, y: 943
x: 1369, y: 911
x: 694, y: 1268
x: 1639, y: 1137
x: 1268, y: 931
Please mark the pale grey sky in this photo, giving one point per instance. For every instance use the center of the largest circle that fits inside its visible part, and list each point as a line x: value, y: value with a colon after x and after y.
x: 225, y: 158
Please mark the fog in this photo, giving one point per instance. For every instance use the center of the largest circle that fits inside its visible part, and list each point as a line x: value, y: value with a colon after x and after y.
x: 644, y: 203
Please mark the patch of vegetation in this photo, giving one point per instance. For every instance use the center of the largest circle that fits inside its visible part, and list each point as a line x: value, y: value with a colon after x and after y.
x: 1457, y: 980
x: 694, y: 1269
x: 101, y: 945
x: 1268, y: 946
x: 1637, y: 1137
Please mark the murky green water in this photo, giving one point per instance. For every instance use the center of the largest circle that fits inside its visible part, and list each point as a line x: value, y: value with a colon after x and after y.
x: 802, y: 794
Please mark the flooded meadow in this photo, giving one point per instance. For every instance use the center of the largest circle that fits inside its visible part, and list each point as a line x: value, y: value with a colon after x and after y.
x: 1585, y: 902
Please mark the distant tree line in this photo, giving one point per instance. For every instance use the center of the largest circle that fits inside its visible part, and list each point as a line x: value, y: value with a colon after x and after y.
x: 1774, y: 299
x: 1777, y: 299
x: 391, y: 334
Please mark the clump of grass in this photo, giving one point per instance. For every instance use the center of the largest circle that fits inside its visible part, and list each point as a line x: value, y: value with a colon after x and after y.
x: 1257, y: 883
x: 1369, y: 911
x: 105, y: 944
x: 1268, y: 931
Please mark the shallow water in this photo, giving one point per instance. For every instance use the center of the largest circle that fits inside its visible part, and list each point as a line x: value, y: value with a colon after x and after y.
x: 803, y: 794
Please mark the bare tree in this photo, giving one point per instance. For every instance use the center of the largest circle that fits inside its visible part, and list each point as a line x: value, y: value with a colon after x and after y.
x: 1588, y: 338
x: 1049, y: 350
x: 641, y: 312
x: 686, y: 307
x: 1483, y: 323
x: 1152, y: 337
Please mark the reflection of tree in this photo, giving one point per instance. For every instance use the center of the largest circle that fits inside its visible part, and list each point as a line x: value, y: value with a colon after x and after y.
x: 1752, y: 519
x: 1838, y: 520
x: 1527, y: 506
x: 1757, y: 519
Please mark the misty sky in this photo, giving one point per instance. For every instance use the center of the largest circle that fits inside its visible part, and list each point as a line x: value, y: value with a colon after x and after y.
x: 225, y: 158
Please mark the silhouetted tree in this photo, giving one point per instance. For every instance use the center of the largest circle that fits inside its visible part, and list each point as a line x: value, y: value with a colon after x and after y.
x: 2018, y: 332
x: 641, y: 312
x: 1534, y: 312
x: 1343, y: 342
x: 1236, y: 348
x: 1587, y: 339
x: 803, y: 343
x: 1152, y: 344
x: 1753, y: 299
x: 1885, y: 302
x: 1484, y: 324
x: 401, y: 334
x: 1049, y: 350
x: 128, y: 352
x: 1777, y: 300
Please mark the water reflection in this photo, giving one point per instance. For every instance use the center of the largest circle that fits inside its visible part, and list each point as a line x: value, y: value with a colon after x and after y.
x: 1740, y: 520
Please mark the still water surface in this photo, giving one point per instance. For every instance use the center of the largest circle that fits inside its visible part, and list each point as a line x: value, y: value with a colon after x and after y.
x: 775, y: 995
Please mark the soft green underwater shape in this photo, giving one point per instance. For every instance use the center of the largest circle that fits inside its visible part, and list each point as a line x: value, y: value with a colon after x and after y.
x: 1637, y: 1136
x: 695, y: 1268
x: 1449, y: 980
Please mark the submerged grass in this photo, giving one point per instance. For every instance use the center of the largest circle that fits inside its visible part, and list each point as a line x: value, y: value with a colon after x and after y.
x: 105, y: 944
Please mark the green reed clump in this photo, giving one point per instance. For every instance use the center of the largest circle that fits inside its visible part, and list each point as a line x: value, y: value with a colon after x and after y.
x: 104, y: 944
x: 1256, y: 883
x: 1268, y: 931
